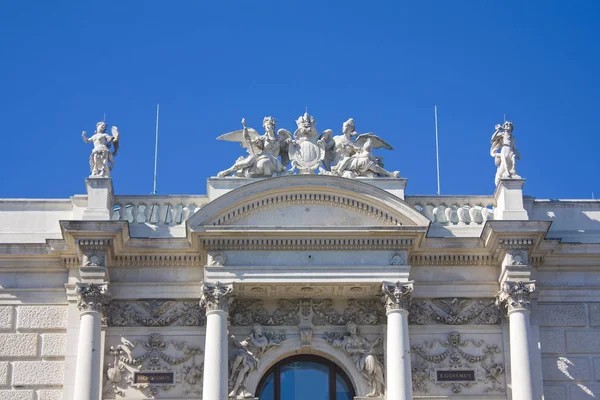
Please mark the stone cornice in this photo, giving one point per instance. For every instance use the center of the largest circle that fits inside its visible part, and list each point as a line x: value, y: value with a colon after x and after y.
x: 304, y: 243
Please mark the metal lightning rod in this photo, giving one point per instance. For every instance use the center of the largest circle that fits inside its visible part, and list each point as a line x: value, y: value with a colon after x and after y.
x: 437, y: 152
x: 156, y: 149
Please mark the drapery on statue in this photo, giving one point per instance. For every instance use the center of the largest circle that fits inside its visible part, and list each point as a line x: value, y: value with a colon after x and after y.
x: 245, y: 359
x: 350, y: 155
x: 504, y: 152
x: 102, y: 159
x: 361, y: 352
x: 263, y: 151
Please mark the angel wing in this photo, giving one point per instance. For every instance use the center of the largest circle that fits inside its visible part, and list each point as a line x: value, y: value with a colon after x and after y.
x: 375, y: 140
x: 238, y: 136
x: 284, y: 140
x: 496, y: 141
x: 115, y: 139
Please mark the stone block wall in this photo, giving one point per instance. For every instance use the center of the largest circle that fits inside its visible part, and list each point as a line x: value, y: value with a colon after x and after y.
x: 570, y: 346
x: 32, y: 350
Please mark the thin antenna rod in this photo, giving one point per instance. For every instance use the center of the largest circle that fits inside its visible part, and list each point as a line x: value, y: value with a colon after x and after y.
x: 437, y: 152
x: 104, y: 120
x: 504, y: 117
x: 156, y: 149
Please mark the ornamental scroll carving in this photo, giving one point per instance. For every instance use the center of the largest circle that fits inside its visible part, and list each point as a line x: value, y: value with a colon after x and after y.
x: 456, y: 354
x: 154, y: 355
x: 92, y: 297
x: 515, y: 296
x: 322, y: 312
x: 156, y: 313
x: 454, y: 311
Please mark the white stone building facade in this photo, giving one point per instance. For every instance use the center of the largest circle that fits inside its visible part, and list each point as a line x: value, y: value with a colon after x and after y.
x: 110, y: 296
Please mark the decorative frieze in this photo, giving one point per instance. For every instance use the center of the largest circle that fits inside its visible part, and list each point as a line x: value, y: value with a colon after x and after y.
x: 361, y: 312
x: 93, y: 297
x: 307, y: 244
x: 454, y: 311
x: 452, y: 259
x: 249, y: 311
x: 157, y: 261
x: 397, y: 296
x: 514, y: 244
x: 456, y: 364
x: 152, y: 366
x: 515, y: 296
x: 156, y: 313
x: 216, y: 296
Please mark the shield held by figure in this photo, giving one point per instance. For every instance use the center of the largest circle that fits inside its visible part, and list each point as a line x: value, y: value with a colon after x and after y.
x: 307, y: 156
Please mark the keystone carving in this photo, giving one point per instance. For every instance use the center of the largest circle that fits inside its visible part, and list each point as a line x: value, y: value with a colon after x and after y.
x: 515, y: 296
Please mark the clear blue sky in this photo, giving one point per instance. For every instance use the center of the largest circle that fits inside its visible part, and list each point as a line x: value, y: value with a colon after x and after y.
x: 208, y: 64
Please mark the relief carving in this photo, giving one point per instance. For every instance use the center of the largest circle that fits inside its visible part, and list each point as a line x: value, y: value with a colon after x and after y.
x: 456, y: 311
x: 397, y: 296
x: 92, y: 297
x: 361, y: 312
x: 156, y: 313
x: 216, y: 296
x: 367, y: 356
x: 246, y: 356
x: 151, y: 356
x: 248, y: 311
x: 455, y: 354
x: 515, y: 296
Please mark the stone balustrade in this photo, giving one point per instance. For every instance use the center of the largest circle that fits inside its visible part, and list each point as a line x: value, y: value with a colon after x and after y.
x: 454, y: 210
x: 155, y: 210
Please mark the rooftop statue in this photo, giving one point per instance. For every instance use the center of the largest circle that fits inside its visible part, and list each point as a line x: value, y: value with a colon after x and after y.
x: 263, y: 151
x: 307, y: 149
x: 102, y: 159
x: 351, y: 156
x: 504, y: 152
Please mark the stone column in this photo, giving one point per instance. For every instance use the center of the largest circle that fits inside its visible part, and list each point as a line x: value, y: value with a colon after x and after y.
x: 514, y: 298
x: 92, y: 301
x: 216, y: 298
x: 397, y: 299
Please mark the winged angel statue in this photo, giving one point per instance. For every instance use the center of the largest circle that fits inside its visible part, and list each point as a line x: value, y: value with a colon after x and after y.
x: 263, y: 151
x: 102, y: 158
x: 348, y: 155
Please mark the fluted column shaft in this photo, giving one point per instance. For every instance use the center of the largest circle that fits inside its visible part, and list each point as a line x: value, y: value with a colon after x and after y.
x: 92, y: 302
x: 514, y: 298
x: 398, y: 374
x: 216, y: 299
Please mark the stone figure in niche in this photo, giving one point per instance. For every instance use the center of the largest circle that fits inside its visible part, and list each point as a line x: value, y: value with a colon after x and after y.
x: 351, y: 154
x: 245, y: 359
x: 263, y: 151
x: 102, y: 158
x: 504, y: 152
x: 362, y: 353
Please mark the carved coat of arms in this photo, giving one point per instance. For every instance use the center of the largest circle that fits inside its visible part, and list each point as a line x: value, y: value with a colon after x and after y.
x: 306, y: 150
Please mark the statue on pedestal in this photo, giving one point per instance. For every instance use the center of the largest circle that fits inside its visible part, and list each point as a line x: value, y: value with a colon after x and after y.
x: 504, y: 152
x: 263, y: 151
x: 102, y: 158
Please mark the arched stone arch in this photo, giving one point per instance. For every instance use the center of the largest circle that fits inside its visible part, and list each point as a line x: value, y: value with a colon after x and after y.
x: 358, y: 198
x: 320, y: 348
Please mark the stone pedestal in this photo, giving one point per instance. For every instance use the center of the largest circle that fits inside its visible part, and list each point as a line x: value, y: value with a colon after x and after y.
x: 509, y: 200
x: 92, y: 303
x: 216, y: 299
x: 514, y: 298
x: 99, y: 199
x: 398, y: 373
x: 395, y: 186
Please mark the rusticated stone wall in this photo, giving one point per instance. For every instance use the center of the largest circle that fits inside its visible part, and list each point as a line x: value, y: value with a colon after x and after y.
x: 570, y: 345
x: 32, y: 349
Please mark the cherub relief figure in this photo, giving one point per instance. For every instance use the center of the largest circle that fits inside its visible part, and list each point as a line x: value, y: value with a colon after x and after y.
x: 361, y: 352
x: 263, y: 151
x: 102, y: 159
x: 245, y: 359
x: 504, y: 151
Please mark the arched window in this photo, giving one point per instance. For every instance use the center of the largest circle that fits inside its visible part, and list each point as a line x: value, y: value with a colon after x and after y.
x: 305, y: 377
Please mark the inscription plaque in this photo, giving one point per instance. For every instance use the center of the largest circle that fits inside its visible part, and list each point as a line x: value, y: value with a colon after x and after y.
x: 455, y: 375
x: 154, y: 377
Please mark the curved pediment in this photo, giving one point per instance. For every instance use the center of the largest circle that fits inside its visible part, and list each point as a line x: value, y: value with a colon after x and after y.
x: 300, y: 201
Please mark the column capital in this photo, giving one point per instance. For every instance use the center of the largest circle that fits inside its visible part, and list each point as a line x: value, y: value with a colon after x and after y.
x: 397, y: 296
x: 515, y: 296
x: 216, y: 296
x: 92, y: 297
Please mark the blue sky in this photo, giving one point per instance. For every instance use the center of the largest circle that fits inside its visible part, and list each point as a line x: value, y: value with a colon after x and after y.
x: 208, y: 64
